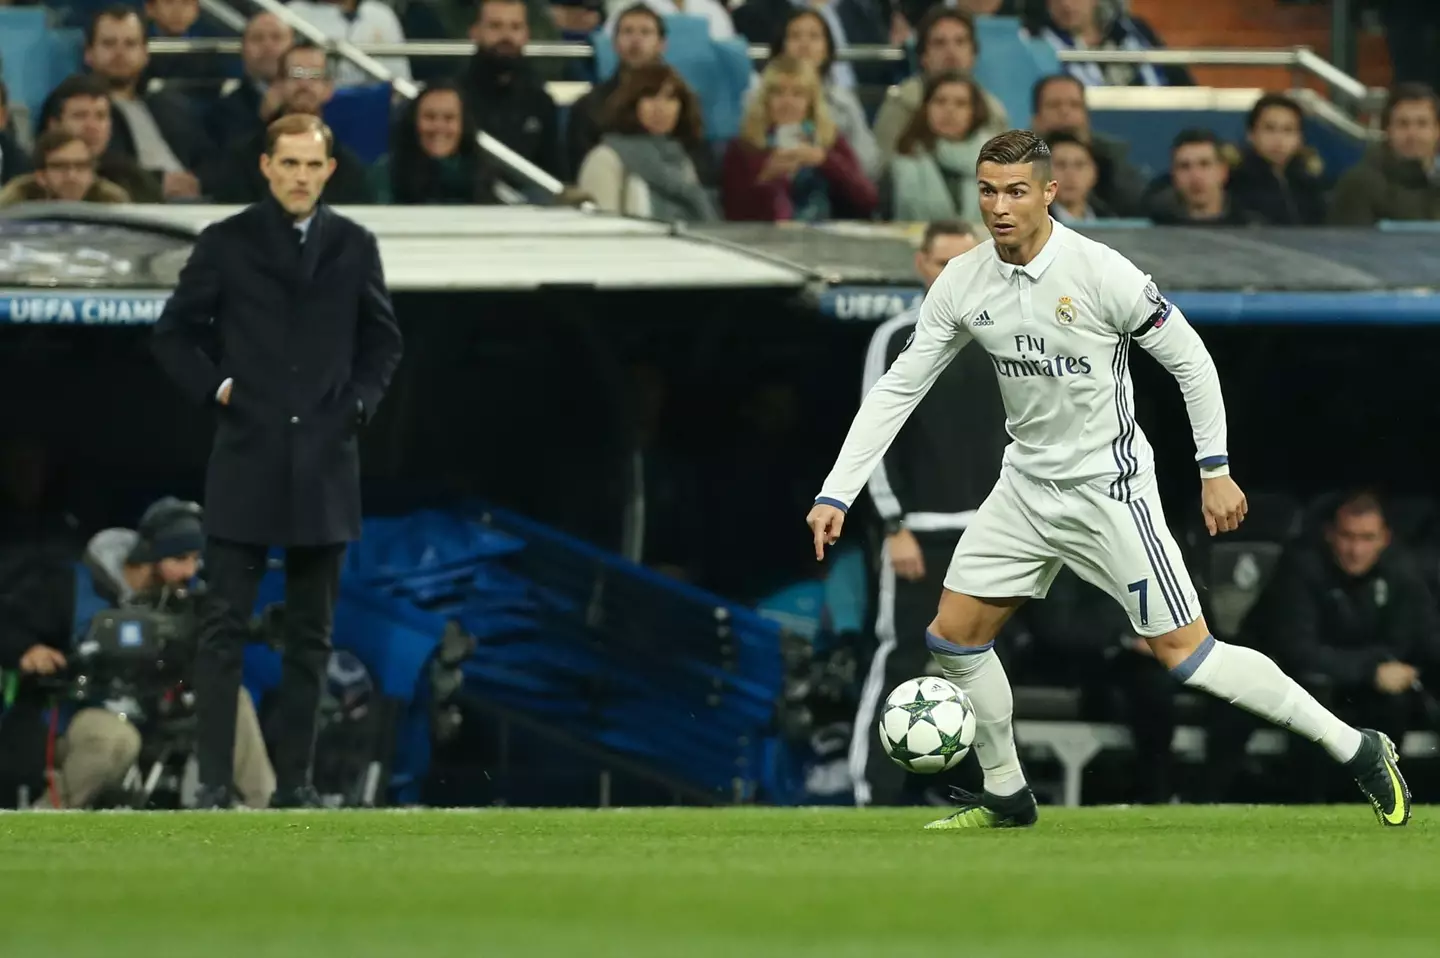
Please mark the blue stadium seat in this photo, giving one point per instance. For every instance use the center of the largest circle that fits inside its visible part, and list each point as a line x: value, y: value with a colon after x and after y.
x: 360, y: 118
x: 1150, y: 132
x: 1008, y: 65
x: 35, y: 58
x: 718, y: 70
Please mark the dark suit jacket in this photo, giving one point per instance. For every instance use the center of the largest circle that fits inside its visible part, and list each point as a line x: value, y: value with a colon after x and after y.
x: 310, y: 339
x: 236, y: 115
x: 238, y: 178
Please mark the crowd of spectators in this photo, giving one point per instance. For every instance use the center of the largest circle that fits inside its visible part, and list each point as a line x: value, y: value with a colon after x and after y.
x: 807, y: 147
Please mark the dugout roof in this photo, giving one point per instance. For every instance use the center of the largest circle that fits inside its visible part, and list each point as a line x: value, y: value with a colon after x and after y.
x: 1250, y: 259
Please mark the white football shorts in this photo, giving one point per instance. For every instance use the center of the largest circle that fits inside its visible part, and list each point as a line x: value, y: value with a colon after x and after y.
x: 1027, y: 528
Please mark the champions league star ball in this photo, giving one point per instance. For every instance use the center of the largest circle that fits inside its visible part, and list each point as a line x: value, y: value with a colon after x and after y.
x: 927, y: 725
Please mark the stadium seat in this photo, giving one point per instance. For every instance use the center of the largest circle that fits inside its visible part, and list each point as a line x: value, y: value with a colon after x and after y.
x: 718, y: 70
x: 34, y: 57
x: 360, y: 119
x: 1150, y: 130
x: 1009, y: 64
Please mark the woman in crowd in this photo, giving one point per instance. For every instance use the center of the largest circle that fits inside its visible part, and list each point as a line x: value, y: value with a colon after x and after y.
x: 433, y: 157
x: 643, y: 165
x: 806, y: 36
x: 1278, y: 178
x: 64, y: 170
x: 790, y: 162
x: 932, y: 175
x: 1076, y: 173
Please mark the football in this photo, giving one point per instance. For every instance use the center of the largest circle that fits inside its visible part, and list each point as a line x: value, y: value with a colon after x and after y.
x: 927, y: 725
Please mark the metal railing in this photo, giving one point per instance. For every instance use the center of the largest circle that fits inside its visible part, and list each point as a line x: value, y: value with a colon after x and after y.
x: 365, y: 60
x: 1299, y: 58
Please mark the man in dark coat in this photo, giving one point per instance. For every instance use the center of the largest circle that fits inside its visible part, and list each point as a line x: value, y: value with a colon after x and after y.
x: 240, y: 114
x: 1396, y: 179
x: 503, y: 91
x: 281, y: 320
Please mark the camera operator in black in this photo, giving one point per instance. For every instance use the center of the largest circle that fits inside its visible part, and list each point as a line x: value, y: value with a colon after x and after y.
x: 935, y: 475
x: 96, y: 746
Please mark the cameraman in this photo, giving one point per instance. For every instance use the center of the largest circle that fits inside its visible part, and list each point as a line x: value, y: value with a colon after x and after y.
x: 96, y: 748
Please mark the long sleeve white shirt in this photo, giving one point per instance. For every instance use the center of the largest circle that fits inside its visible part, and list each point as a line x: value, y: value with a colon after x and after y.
x: 1058, y: 332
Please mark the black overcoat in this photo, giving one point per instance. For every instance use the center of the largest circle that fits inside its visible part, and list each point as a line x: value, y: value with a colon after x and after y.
x: 309, y: 337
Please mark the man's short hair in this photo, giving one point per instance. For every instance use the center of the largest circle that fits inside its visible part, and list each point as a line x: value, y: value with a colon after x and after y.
x: 1195, y: 135
x: 295, y: 124
x: 1409, y: 93
x: 51, y: 141
x: 642, y: 10
x: 4, y: 95
x: 1069, y: 138
x: 116, y: 11
x: 1018, y: 146
x: 1037, y: 90
x: 1272, y: 100
x: 937, y: 15
x: 938, y: 228
x: 1359, y: 502
x: 73, y: 87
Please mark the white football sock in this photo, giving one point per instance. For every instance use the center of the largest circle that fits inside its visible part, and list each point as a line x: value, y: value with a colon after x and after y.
x: 982, y: 677
x: 1254, y: 682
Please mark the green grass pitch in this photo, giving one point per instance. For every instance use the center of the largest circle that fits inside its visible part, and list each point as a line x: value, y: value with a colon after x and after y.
x: 740, y: 883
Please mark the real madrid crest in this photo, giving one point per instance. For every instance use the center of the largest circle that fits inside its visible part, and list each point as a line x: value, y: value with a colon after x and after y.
x: 1065, y: 311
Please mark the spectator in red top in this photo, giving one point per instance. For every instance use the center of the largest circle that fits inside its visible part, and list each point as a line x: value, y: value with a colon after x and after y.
x: 789, y: 162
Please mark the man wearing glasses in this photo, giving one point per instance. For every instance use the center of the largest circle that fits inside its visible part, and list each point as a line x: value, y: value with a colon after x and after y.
x: 64, y: 170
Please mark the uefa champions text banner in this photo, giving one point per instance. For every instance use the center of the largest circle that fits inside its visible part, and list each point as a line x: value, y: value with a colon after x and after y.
x: 55, y: 308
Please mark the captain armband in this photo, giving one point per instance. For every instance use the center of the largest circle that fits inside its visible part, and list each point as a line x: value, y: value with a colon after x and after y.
x: 1161, y: 308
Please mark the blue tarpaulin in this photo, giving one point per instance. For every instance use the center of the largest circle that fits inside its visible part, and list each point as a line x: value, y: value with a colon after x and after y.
x: 597, y: 647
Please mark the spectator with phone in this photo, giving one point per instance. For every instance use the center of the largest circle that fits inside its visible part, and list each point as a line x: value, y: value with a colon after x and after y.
x: 789, y: 161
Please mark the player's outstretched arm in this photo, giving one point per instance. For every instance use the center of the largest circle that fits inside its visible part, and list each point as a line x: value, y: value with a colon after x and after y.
x: 938, y: 337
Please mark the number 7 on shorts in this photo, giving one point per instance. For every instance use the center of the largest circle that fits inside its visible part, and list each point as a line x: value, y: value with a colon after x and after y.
x: 1143, y: 587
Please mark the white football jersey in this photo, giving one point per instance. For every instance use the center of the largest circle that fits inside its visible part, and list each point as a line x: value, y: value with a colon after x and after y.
x: 1058, y: 331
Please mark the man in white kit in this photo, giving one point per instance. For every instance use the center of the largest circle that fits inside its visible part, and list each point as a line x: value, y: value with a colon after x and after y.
x: 1057, y: 313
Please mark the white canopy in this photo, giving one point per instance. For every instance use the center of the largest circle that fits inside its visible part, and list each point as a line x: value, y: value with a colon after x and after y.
x: 518, y: 248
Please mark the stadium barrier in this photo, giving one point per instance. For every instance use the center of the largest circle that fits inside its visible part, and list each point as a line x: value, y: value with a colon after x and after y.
x: 88, y: 265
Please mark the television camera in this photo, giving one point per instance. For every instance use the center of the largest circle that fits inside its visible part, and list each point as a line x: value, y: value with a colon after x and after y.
x: 136, y: 658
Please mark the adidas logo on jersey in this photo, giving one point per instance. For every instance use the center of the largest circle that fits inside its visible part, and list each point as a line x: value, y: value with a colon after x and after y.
x: 983, y: 319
